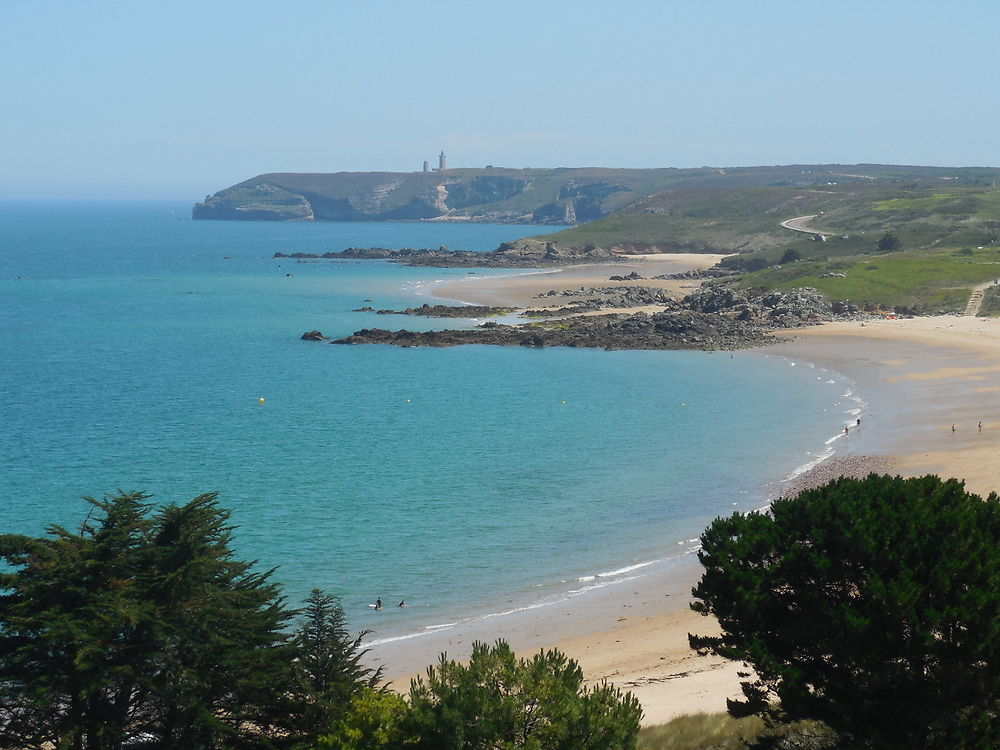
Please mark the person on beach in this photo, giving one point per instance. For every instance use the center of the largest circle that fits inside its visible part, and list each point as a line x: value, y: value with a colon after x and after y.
x: 858, y: 422
x: 980, y: 426
x: 953, y: 428
x: 846, y: 429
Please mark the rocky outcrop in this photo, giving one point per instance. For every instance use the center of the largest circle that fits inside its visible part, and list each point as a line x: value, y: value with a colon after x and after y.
x: 314, y: 336
x: 780, y: 309
x: 526, y: 253
x: 605, y: 297
x: 446, y: 311
x: 665, y: 330
x: 714, y: 272
x: 710, y: 319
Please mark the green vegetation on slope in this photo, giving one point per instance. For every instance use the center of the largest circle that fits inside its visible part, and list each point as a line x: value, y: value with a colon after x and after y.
x: 748, y: 219
x: 944, y: 237
x: 924, y: 282
x: 721, y: 731
x: 991, y: 302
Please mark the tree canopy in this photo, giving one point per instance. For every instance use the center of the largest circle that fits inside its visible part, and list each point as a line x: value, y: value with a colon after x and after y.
x: 888, y: 242
x: 500, y: 701
x: 327, y: 675
x: 872, y: 605
x: 143, y: 628
x: 140, y: 625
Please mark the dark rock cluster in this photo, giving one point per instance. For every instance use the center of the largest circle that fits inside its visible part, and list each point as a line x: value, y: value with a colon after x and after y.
x: 634, y: 276
x: 445, y: 311
x: 663, y: 330
x: 525, y: 253
x: 711, y: 318
x: 715, y: 272
x: 602, y: 297
x: 780, y: 309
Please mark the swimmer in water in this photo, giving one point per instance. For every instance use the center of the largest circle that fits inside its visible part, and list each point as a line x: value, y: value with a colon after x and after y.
x: 378, y: 603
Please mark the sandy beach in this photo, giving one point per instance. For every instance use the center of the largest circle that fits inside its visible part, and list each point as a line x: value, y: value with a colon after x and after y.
x: 522, y: 290
x: 919, y: 377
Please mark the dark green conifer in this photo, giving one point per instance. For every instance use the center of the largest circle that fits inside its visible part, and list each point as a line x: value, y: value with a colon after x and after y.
x: 137, y: 627
x: 872, y: 605
x: 327, y: 673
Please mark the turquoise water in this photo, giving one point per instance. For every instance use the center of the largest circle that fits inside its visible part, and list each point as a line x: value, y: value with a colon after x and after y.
x: 136, y: 345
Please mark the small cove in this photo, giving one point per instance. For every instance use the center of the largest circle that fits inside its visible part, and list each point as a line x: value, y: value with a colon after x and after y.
x: 467, y: 481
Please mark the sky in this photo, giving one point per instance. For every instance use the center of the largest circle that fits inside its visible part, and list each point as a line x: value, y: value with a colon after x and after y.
x: 178, y: 99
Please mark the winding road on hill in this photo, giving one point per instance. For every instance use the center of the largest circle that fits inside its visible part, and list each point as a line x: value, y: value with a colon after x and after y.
x: 798, y: 224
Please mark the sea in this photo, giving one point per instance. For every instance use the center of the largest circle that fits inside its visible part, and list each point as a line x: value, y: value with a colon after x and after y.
x: 141, y: 350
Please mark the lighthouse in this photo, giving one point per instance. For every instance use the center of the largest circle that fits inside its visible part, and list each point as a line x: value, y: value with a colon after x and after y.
x: 442, y: 162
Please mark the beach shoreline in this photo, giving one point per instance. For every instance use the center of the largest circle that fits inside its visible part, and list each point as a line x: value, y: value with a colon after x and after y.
x: 523, y: 289
x: 918, y: 376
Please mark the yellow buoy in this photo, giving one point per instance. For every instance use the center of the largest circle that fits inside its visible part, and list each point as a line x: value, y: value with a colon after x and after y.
x: 260, y: 400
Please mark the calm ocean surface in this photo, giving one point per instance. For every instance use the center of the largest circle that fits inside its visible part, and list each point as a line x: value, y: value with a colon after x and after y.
x: 135, y: 344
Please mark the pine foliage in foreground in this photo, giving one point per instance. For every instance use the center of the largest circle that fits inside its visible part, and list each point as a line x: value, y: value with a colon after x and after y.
x: 871, y: 605
x: 144, y: 629
x: 500, y: 701
x: 139, y: 625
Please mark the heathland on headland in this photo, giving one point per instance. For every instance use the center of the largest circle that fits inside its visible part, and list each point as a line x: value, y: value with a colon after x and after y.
x: 914, y: 239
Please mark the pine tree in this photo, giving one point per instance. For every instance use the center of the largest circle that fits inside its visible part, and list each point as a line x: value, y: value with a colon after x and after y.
x: 872, y: 605
x: 327, y: 673
x: 137, y: 626
x: 498, y: 700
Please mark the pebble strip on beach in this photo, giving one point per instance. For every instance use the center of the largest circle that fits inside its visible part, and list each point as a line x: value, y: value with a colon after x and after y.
x: 836, y: 467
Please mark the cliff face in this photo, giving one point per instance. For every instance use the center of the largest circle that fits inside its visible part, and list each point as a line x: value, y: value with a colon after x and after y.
x: 536, y: 196
x: 540, y: 196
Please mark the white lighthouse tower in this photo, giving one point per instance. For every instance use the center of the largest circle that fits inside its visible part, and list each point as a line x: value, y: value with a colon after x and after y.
x: 442, y: 162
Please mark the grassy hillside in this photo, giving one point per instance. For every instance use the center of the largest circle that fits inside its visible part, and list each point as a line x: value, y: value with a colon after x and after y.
x: 946, y: 237
x: 722, y: 732
x: 748, y: 219
x: 936, y: 280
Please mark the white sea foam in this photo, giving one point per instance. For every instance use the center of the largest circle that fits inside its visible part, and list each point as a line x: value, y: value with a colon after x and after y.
x: 627, y: 569
x: 816, y: 461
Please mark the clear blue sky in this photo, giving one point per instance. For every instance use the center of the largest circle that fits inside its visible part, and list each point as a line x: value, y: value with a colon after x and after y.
x: 180, y: 98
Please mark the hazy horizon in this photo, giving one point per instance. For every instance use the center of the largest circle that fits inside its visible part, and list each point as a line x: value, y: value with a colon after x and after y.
x: 117, y: 100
